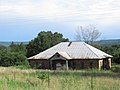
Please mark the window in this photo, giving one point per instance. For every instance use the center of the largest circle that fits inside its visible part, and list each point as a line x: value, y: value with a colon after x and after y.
x: 74, y: 65
x: 43, y: 65
x: 91, y: 65
x: 82, y: 65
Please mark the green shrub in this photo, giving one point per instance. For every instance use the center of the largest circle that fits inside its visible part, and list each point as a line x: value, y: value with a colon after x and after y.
x: 22, y: 67
x: 44, y: 77
x: 116, y: 68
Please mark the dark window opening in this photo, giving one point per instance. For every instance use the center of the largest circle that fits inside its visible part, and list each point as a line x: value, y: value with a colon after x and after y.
x: 74, y: 65
x: 82, y: 65
x: 91, y: 65
x: 43, y: 65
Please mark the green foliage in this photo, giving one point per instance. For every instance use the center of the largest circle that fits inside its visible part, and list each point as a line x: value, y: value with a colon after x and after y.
x: 12, y: 58
x: 62, y: 80
x: 21, y: 48
x: 116, y: 68
x: 113, y: 50
x: 44, y: 76
x: 2, y: 47
x: 13, y: 55
x: 22, y: 67
x: 43, y: 41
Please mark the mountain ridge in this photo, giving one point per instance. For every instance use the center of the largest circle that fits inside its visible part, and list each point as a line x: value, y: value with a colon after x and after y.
x: 101, y: 42
x: 7, y: 43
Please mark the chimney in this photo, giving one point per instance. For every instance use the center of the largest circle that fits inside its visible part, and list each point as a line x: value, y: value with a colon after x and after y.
x: 69, y: 44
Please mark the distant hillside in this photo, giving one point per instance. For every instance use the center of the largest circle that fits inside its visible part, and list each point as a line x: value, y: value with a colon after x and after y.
x: 109, y: 42
x: 8, y: 43
x: 101, y: 42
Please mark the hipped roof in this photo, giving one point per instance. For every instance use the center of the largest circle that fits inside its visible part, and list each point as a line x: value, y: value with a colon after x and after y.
x: 73, y: 50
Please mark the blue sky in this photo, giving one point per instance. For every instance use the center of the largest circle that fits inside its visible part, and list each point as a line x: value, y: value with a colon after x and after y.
x: 22, y: 20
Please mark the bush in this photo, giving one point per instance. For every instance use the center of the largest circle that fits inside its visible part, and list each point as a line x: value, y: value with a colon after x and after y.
x: 22, y: 67
x: 8, y: 58
x: 116, y: 68
x: 44, y: 77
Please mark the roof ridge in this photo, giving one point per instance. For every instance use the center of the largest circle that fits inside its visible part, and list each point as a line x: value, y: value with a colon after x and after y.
x: 67, y: 54
x: 89, y: 48
x: 63, y: 55
x: 72, y: 41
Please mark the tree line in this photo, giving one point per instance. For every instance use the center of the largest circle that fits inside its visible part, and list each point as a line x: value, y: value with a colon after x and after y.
x: 13, y: 55
x: 17, y: 54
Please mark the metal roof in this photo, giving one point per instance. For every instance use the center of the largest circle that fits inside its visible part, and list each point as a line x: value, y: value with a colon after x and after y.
x: 64, y: 54
x: 72, y: 50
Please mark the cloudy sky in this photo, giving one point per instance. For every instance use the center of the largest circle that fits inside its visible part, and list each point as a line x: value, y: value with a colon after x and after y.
x: 22, y: 20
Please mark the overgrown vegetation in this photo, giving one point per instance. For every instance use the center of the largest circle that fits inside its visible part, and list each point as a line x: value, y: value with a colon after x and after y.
x: 16, y: 79
x: 13, y: 55
x: 116, y: 68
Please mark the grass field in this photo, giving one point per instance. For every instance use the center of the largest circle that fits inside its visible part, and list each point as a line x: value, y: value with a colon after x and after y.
x: 16, y: 79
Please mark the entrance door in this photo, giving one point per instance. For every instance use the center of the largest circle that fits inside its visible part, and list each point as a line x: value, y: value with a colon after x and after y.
x: 58, y: 64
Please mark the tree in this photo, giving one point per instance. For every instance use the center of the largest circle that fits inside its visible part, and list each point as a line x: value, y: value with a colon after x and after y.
x: 13, y: 55
x: 8, y: 58
x: 21, y: 48
x: 43, y: 41
x: 2, y: 47
x: 113, y: 50
x: 88, y: 34
x: 116, y: 55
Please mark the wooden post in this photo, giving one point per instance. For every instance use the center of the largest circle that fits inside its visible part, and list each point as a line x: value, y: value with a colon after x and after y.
x: 66, y: 64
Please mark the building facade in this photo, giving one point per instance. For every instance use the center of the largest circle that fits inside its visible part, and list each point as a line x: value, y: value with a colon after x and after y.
x: 71, y: 55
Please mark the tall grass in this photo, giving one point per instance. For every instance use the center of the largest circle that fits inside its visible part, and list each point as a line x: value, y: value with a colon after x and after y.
x: 16, y: 79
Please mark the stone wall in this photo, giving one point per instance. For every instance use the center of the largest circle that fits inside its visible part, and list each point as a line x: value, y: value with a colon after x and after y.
x: 83, y: 64
x: 40, y: 64
x: 72, y: 64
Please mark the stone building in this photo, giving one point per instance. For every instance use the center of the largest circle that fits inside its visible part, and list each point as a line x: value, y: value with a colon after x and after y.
x: 71, y: 55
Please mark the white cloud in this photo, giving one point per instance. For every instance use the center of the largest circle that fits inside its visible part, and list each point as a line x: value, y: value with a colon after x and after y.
x: 104, y: 11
